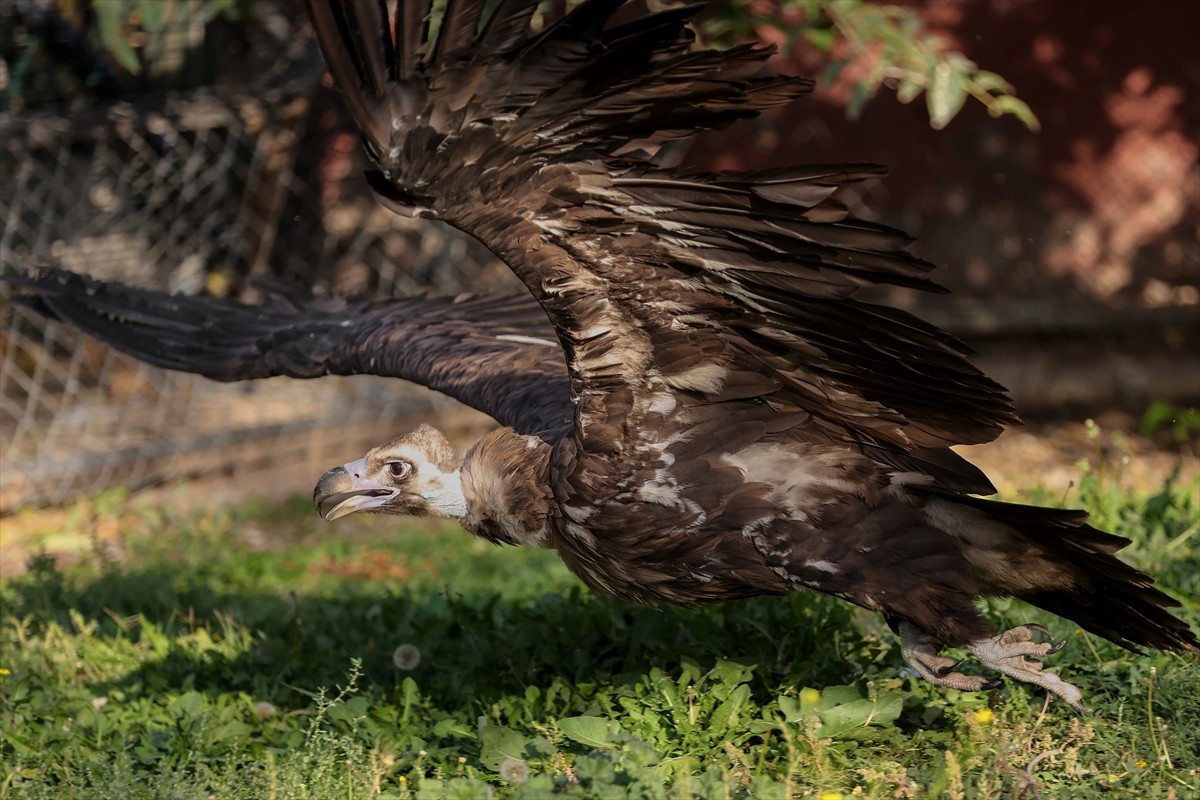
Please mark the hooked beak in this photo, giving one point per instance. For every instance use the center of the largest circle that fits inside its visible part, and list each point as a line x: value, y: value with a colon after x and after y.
x: 344, y: 490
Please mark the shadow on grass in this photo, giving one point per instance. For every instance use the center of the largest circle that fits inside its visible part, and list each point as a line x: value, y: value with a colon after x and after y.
x: 476, y: 645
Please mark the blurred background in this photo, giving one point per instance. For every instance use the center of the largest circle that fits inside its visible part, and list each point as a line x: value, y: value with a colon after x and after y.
x: 1044, y: 153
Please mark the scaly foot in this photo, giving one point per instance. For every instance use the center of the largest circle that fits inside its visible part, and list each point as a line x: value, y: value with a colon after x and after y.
x: 1009, y: 653
x: 1012, y: 653
x: 921, y: 651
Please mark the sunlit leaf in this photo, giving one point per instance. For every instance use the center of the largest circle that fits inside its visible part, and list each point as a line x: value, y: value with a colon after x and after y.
x: 110, y: 18
x: 1007, y: 104
x: 991, y: 82
x: 500, y: 743
x: 590, y: 731
x: 946, y: 95
x: 845, y: 717
x: 909, y: 90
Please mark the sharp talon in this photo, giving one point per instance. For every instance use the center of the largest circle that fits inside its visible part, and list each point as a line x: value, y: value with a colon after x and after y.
x: 994, y: 683
x: 944, y: 671
x: 1016, y: 654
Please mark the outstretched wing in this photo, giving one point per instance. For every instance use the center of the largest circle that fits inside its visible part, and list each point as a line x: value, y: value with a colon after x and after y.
x: 721, y: 303
x: 495, y: 354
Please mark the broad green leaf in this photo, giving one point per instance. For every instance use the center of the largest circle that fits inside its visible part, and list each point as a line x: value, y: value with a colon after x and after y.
x: 1007, y: 104
x: 909, y: 90
x: 727, y: 713
x: 991, y: 82
x: 591, y: 731
x: 110, y: 18
x: 152, y: 14
x: 500, y: 743
x: 187, y: 706
x: 946, y: 95
x: 453, y: 727
x: 837, y: 695
x: 860, y: 713
x: 730, y: 673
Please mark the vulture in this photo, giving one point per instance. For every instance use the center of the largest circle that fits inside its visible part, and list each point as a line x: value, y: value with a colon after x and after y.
x: 693, y: 405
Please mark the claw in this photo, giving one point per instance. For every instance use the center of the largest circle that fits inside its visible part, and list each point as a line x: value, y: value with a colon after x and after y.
x: 1042, y: 629
x: 1057, y: 646
x: 994, y: 683
x: 1014, y: 653
x: 948, y: 668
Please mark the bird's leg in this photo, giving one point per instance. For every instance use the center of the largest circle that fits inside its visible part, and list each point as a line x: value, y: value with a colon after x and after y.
x: 921, y: 651
x: 1008, y: 653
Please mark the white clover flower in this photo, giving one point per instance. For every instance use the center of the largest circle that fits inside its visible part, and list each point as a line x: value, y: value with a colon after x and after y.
x: 406, y: 657
x: 514, y: 770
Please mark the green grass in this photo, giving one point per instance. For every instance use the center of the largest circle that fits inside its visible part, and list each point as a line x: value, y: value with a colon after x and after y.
x: 255, y: 652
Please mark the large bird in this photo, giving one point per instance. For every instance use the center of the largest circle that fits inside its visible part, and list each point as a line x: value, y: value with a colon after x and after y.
x: 694, y: 406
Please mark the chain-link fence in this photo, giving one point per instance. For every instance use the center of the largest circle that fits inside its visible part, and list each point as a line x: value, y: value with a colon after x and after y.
x: 200, y: 192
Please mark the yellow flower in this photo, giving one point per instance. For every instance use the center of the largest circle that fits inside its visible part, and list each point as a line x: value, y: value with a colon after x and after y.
x: 984, y: 716
x: 831, y: 796
x: 4, y: 672
x: 810, y: 696
x: 1141, y: 762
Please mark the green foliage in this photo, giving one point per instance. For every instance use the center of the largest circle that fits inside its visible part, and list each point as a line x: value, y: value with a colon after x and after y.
x: 196, y: 665
x: 1180, y: 425
x: 896, y: 44
x: 120, y: 22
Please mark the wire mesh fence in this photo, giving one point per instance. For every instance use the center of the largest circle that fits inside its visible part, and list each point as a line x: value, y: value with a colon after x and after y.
x: 195, y: 193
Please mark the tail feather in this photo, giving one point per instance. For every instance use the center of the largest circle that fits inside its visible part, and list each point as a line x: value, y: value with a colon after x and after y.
x: 1105, y: 595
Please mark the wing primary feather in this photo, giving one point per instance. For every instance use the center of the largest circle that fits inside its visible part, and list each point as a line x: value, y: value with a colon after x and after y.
x: 506, y: 29
x: 488, y: 352
x: 460, y: 22
x: 346, y: 65
x: 412, y: 32
x: 367, y: 26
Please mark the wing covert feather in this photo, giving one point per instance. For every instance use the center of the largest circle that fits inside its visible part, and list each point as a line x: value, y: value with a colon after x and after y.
x: 668, y: 288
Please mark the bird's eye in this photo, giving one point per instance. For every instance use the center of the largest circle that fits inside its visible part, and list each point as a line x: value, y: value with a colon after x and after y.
x: 399, y: 469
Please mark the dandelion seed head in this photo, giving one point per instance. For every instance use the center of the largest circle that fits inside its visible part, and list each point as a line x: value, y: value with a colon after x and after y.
x: 514, y: 770
x: 406, y: 657
x: 264, y: 710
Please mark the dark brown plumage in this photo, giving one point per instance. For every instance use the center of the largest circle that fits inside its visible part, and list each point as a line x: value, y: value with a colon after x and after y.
x: 696, y: 407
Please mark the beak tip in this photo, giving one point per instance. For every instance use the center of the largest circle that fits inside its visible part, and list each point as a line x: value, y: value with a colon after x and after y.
x: 339, y: 492
x: 330, y: 484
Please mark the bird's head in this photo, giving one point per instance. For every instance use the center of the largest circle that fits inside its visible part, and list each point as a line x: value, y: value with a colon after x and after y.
x: 416, y: 474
